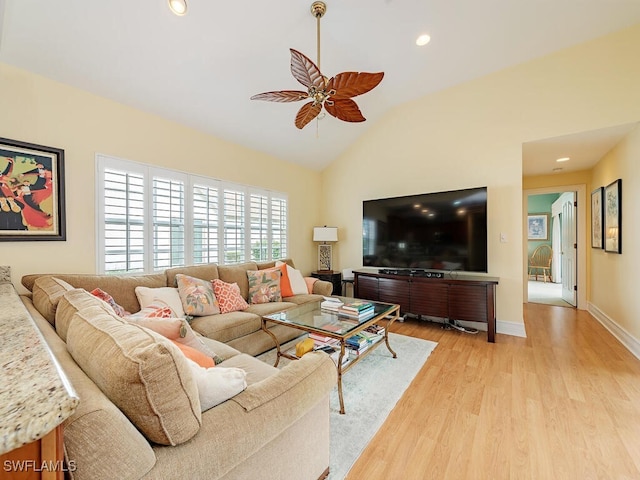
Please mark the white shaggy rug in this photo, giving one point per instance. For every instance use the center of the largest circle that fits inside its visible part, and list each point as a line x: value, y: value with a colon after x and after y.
x: 370, y: 390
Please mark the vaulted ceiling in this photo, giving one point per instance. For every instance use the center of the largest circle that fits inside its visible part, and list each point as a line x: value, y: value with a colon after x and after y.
x: 202, y: 68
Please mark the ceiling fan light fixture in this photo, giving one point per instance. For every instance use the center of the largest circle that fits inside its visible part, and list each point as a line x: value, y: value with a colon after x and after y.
x: 423, y: 39
x: 179, y: 7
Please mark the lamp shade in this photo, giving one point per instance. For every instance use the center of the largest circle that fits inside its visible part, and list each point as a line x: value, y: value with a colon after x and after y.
x: 325, y: 234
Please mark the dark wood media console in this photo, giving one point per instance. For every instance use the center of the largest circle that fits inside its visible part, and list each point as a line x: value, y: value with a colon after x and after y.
x: 453, y: 297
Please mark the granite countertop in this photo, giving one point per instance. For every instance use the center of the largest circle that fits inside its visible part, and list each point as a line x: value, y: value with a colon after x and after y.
x: 35, y: 394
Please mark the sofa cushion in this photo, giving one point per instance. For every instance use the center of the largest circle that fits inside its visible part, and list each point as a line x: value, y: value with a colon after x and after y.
x: 264, y: 286
x: 71, y: 303
x: 227, y: 326
x: 207, y: 271
x: 120, y: 287
x: 228, y: 296
x: 196, y: 295
x: 296, y: 280
x: 141, y: 372
x: 237, y: 274
x: 47, y: 292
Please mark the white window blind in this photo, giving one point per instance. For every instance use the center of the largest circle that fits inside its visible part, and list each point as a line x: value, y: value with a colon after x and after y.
x: 168, y: 223
x: 279, y: 226
x: 259, y: 218
x: 123, y: 221
x: 206, y: 229
x: 234, y: 226
x: 151, y: 218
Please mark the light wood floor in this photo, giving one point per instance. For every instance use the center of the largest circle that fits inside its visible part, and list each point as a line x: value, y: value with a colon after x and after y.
x: 564, y: 403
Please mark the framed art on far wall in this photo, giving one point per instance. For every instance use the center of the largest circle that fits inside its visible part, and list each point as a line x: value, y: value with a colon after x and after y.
x: 597, y: 219
x: 613, y: 217
x: 31, y: 192
x: 538, y: 226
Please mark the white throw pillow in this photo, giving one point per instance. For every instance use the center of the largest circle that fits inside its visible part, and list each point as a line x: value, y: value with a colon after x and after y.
x: 168, y: 295
x: 217, y: 384
x: 298, y: 285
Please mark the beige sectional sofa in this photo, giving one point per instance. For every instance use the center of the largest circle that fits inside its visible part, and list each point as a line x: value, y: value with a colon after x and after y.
x: 139, y: 414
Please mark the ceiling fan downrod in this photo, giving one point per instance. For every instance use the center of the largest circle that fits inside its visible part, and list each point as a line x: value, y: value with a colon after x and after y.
x: 318, y: 9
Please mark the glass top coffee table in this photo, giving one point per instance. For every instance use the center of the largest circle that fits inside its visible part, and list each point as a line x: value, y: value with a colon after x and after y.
x: 313, y: 319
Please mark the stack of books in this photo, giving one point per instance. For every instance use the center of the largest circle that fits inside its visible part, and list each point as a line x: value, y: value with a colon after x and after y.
x: 331, y: 304
x: 359, y: 309
x: 358, y: 343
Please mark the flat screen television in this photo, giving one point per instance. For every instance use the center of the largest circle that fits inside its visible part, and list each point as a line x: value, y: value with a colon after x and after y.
x: 431, y: 231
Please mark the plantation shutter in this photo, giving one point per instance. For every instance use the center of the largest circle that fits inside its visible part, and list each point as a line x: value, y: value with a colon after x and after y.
x: 259, y: 227
x: 168, y: 223
x: 206, y: 219
x: 279, y: 228
x: 123, y: 203
x: 234, y: 229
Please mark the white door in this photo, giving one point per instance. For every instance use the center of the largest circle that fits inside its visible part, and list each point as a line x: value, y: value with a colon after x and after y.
x: 568, y: 245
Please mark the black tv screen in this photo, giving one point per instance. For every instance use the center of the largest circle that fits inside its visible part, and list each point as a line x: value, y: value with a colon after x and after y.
x: 432, y: 231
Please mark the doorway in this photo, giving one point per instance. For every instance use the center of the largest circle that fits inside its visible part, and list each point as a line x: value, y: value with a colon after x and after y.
x: 561, y: 216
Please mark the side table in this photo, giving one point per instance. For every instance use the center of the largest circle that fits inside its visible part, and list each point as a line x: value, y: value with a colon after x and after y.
x: 334, y: 277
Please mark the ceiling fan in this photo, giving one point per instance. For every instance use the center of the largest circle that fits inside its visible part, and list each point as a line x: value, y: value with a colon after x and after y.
x: 335, y: 93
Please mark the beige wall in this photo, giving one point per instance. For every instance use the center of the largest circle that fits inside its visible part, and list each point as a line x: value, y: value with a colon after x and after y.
x: 472, y: 135
x: 614, y: 278
x: 40, y: 111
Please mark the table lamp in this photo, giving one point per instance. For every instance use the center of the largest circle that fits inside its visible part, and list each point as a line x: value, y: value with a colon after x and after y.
x: 325, y: 234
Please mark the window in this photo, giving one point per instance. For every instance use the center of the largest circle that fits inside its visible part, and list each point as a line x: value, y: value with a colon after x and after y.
x: 151, y: 218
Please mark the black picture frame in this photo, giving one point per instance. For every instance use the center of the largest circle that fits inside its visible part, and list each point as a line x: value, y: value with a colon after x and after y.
x: 32, y: 192
x: 613, y: 217
x: 597, y: 218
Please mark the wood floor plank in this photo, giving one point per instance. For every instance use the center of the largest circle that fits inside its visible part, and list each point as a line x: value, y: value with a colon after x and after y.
x: 562, y: 403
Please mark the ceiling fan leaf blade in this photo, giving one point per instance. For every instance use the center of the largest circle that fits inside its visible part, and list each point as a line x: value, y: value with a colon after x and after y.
x: 308, y: 112
x: 352, y: 84
x: 344, y: 109
x: 305, y: 71
x: 282, y: 96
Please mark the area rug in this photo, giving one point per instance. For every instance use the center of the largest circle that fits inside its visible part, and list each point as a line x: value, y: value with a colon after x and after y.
x: 370, y: 390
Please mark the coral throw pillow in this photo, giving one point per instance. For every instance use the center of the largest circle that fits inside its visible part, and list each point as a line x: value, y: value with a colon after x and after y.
x: 156, y: 309
x: 102, y: 295
x: 197, y: 296
x: 264, y: 285
x: 285, y: 283
x: 296, y: 280
x: 228, y: 296
x: 195, y: 355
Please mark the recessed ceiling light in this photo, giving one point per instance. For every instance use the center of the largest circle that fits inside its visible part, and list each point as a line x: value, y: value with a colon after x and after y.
x: 423, y: 40
x: 563, y: 159
x: 179, y: 7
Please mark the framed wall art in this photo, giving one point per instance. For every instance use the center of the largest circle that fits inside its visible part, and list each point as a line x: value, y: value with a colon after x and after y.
x: 597, y: 219
x: 538, y: 226
x: 613, y: 217
x: 31, y: 192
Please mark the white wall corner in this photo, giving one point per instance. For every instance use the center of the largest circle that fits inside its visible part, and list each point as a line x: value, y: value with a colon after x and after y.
x: 628, y: 341
x: 511, y: 328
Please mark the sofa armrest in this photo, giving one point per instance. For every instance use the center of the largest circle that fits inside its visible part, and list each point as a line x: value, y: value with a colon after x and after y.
x: 322, y: 287
x: 299, y: 382
x: 236, y: 429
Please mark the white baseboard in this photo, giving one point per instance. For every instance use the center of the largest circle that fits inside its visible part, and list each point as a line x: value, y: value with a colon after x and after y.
x: 511, y: 328
x: 629, y: 341
x: 502, y: 326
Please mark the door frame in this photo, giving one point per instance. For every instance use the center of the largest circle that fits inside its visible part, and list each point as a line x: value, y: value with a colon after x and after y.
x: 581, y: 235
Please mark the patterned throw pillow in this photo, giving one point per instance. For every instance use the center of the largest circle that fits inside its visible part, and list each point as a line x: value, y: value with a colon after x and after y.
x: 197, y: 296
x: 156, y: 309
x: 264, y: 286
x: 228, y: 296
x: 102, y: 295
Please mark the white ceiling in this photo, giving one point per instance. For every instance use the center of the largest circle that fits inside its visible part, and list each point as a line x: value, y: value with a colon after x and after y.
x: 201, y: 69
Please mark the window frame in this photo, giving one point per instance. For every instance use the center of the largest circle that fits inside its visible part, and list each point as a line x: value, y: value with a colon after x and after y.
x: 190, y: 181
